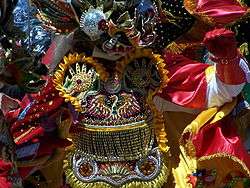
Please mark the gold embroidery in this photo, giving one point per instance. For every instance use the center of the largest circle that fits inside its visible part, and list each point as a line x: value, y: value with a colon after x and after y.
x: 160, y: 65
x: 75, y: 182
x: 59, y: 75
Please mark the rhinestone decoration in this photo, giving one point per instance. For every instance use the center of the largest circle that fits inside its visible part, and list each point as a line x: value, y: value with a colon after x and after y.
x: 89, y: 23
x: 85, y: 169
x: 129, y: 144
x: 113, y: 85
x: 117, y: 173
x: 81, y: 79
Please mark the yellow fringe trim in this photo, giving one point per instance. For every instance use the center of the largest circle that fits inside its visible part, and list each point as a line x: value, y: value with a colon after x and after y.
x: 159, y: 125
x: 175, y: 48
x: 156, y: 59
x: 190, y: 5
x: 74, y: 182
x: 122, y: 128
x: 64, y: 66
x: 144, y: 53
x: 180, y: 47
x: 243, y: 167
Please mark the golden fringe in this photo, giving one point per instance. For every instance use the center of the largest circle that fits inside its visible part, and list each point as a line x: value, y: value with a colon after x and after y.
x: 190, y: 5
x: 159, y: 126
x: 74, y: 182
x: 175, y: 48
x: 144, y: 53
x: 180, y: 47
x: 242, y: 3
x: 160, y: 65
x: 63, y: 67
x: 243, y: 166
x: 190, y: 149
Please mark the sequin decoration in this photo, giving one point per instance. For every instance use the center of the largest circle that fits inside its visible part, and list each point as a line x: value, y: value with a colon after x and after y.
x: 114, y: 111
x: 89, y: 22
x: 113, y: 85
x: 81, y: 79
x: 241, y: 29
x: 117, y: 173
x: 117, y: 145
x: 57, y: 16
x: 174, y: 21
x: 37, y: 40
x: 78, y: 77
x: 141, y: 74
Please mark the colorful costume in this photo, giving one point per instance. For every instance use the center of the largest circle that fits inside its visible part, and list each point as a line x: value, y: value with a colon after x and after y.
x: 113, y: 93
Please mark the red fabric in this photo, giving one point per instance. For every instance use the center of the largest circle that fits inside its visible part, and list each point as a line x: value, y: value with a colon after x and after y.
x: 220, y: 137
x: 221, y: 43
x: 24, y: 172
x: 187, y: 85
x: 5, y: 167
x: 36, y: 132
x: 221, y: 11
x: 8, y: 104
x: 39, y: 124
x: 34, y: 116
x: 231, y: 73
x: 192, y: 180
x: 45, y: 103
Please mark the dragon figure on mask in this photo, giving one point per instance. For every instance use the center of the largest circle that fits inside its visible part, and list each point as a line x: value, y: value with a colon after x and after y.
x: 138, y: 94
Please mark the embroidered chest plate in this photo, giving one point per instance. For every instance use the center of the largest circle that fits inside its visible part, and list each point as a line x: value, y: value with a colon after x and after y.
x: 115, y: 122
